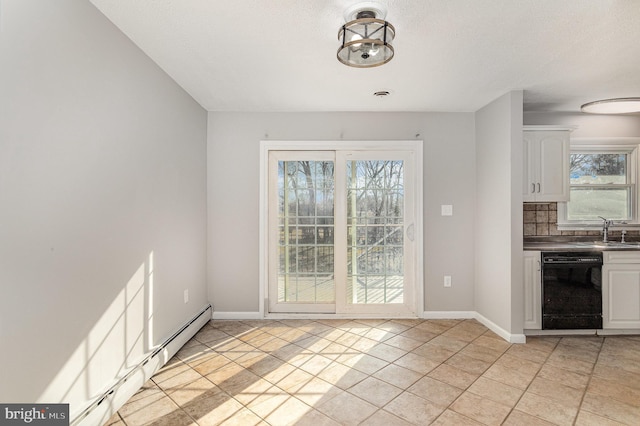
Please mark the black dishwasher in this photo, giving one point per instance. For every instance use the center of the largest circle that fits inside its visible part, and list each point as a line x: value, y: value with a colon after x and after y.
x: 571, y: 290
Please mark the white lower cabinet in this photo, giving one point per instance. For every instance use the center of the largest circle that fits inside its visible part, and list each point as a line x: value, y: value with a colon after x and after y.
x: 621, y: 289
x: 532, y: 291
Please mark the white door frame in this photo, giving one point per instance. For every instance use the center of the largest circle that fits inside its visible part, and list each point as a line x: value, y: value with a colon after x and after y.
x: 405, y: 145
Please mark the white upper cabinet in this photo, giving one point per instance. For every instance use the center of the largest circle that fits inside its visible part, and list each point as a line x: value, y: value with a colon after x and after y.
x: 546, y: 163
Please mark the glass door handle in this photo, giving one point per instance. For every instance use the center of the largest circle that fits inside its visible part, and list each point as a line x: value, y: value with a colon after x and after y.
x: 411, y: 232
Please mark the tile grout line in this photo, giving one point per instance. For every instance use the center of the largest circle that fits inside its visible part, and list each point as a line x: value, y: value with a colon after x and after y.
x: 538, y: 372
x: 448, y: 407
x: 233, y: 361
x: 476, y: 379
x: 586, y: 388
x: 393, y: 363
x: 289, y: 394
x: 318, y: 334
x: 406, y: 389
x: 363, y: 335
x: 371, y: 375
x: 204, y: 377
x: 534, y: 377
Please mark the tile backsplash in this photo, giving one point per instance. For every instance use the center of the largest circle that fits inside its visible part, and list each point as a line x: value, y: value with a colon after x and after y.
x: 541, y: 219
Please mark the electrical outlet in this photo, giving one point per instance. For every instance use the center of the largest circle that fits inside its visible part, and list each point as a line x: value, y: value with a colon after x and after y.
x: 186, y: 296
x: 447, y: 280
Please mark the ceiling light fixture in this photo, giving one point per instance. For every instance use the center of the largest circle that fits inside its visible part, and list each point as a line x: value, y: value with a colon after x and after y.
x: 365, y: 40
x: 613, y: 106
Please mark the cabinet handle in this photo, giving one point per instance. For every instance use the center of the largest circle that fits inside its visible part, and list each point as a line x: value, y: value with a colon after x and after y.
x: 533, y: 188
x: 538, y: 266
x: 538, y: 187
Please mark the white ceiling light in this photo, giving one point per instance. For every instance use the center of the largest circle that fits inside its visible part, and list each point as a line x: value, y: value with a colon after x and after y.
x: 613, y: 106
x: 365, y: 40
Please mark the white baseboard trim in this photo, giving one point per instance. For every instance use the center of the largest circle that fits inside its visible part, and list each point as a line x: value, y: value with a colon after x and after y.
x: 582, y: 332
x: 617, y: 332
x: 123, y: 389
x: 237, y: 315
x: 511, y: 338
x: 449, y: 315
x: 312, y: 316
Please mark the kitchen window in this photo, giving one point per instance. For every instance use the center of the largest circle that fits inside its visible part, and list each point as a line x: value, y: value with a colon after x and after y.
x: 602, y: 184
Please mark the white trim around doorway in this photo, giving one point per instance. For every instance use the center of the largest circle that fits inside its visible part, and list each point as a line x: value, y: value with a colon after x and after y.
x: 403, y: 145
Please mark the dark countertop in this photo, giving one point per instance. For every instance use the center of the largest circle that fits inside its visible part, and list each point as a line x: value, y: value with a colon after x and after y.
x: 576, y: 244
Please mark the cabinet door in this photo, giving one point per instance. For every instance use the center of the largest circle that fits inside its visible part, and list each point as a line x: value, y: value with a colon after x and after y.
x: 554, y: 167
x: 545, y: 165
x: 621, y: 296
x: 532, y: 291
x: 529, y: 167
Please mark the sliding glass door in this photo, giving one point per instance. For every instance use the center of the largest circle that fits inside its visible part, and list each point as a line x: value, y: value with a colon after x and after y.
x: 341, y: 232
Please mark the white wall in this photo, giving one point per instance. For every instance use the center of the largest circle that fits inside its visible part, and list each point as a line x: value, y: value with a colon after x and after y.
x: 498, y: 226
x: 517, y: 227
x: 102, y: 203
x: 233, y: 188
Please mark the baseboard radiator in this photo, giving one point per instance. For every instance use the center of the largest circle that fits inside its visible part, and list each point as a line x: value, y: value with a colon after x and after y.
x: 104, y: 406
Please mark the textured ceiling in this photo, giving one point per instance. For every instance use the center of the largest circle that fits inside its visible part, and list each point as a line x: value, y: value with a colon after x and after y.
x: 451, y: 55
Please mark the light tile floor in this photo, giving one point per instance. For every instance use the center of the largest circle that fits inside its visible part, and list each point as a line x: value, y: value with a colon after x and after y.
x: 388, y: 372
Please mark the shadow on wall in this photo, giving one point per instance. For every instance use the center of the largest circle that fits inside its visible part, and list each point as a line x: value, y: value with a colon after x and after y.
x: 118, y: 341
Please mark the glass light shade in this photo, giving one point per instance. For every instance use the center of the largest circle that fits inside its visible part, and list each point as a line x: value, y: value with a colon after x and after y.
x: 613, y: 106
x: 366, y: 42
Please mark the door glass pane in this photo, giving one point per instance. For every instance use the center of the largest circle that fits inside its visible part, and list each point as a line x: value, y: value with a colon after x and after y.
x: 375, y: 234
x: 306, y: 232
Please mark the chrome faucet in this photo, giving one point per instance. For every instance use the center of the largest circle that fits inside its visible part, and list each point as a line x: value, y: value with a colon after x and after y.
x: 605, y: 229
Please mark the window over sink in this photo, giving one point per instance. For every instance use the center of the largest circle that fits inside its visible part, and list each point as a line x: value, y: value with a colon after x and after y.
x: 603, y: 183
x: 599, y: 185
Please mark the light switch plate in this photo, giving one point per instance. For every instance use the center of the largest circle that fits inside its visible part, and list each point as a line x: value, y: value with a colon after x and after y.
x: 447, y: 280
x: 446, y: 209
